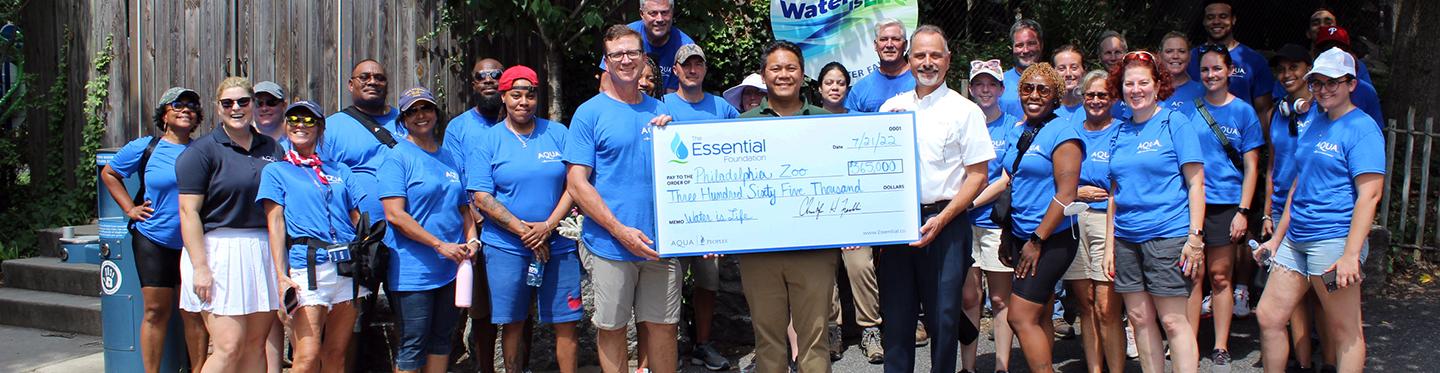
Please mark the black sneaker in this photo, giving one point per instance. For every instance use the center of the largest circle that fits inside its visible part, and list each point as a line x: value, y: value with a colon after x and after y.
x: 1221, y: 359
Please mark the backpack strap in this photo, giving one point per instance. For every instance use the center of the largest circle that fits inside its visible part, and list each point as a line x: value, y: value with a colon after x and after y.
x: 1230, y: 151
x: 144, y: 162
x: 381, y: 134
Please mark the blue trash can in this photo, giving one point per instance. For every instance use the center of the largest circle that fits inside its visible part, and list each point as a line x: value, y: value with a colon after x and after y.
x: 122, y: 307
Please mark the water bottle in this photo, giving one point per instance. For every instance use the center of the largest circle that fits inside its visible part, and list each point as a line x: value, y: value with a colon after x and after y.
x: 464, y: 284
x: 1264, y: 259
x: 535, y: 274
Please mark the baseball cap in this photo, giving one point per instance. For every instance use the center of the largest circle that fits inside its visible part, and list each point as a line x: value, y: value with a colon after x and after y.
x: 270, y: 88
x: 1290, y: 52
x: 991, y: 68
x: 732, y: 95
x: 1334, y: 63
x: 306, y: 106
x: 175, y: 93
x: 689, y: 50
x: 517, y: 72
x: 1332, y: 34
x: 414, y: 95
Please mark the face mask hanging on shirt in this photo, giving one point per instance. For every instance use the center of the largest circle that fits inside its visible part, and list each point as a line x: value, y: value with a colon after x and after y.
x: 312, y: 161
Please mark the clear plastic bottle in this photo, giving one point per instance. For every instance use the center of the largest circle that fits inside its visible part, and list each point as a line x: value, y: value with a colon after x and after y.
x: 535, y: 273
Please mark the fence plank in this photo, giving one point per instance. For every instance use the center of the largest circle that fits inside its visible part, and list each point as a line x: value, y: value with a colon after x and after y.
x: 1409, y: 170
x: 1421, y: 211
x: 1390, y: 137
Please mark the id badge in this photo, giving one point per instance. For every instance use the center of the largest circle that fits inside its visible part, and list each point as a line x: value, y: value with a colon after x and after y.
x: 338, y: 253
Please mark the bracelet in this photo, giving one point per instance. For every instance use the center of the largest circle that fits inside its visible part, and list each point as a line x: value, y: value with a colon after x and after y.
x: 1265, y: 217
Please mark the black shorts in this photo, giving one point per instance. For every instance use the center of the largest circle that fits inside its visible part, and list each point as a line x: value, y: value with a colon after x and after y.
x: 1217, y: 224
x: 159, y: 266
x: 1055, y: 258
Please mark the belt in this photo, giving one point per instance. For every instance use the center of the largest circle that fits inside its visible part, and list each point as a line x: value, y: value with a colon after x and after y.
x: 312, y: 244
x: 934, y: 208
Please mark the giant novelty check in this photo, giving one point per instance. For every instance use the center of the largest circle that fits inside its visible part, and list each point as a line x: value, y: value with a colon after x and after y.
x: 774, y: 184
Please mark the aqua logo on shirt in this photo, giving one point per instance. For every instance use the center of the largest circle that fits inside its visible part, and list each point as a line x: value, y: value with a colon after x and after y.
x: 1328, y: 149
x: 1149, y: 146
x: 454, y: 177
x: 1100, y: 156
x: 332, y: 179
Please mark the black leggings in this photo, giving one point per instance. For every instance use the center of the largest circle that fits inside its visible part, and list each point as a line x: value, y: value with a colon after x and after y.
x: 159, y: 266
x: 1055, y: 257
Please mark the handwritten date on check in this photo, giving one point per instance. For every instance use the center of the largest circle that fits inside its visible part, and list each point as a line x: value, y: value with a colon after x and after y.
x: 778, y: 184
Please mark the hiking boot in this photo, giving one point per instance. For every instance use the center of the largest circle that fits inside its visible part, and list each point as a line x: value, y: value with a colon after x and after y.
x: 837, y: 343
x: 871, y: 346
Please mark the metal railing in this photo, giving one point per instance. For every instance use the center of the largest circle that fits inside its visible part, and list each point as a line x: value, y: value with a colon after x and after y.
x: 1411, y: 223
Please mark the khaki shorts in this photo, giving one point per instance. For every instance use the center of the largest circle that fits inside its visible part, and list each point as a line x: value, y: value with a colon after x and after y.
x: 647, y: 291
x: 706, y: 272
x: 1089, y: 261
x: 987, y: 250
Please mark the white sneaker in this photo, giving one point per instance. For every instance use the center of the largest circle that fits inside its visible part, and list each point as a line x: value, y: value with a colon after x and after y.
x: 1242, y: 301
x: 1130, y: 350
x: 1205, y: 307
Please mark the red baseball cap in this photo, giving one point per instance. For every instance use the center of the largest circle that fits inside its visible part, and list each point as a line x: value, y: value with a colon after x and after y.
x: 517, y: 72
x: 1335, y: 34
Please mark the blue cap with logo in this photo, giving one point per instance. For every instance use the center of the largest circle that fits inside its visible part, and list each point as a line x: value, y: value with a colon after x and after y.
x: 414, y: 95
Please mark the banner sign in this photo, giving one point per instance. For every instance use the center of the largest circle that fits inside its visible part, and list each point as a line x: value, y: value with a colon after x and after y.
x: 838, y: 30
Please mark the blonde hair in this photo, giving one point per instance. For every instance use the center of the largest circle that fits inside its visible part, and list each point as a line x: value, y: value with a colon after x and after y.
x: 1045, y: 72
x: 234, y: 82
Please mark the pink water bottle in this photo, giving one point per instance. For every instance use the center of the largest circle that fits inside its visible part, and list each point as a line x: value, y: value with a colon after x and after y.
x: 464, y: 283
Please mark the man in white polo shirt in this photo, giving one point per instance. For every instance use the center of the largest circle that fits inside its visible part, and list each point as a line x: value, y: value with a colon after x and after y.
x: 955, y: 150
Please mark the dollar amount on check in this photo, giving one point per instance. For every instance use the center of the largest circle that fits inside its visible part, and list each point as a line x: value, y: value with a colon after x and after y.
x: 774, y: 184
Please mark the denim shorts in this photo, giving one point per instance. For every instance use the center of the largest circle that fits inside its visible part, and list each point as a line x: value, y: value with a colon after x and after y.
x: 1312, y: 258
x: 425, y: 321
x: 557, y: 300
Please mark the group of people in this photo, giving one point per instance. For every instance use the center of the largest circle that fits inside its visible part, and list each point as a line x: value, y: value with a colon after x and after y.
x: 1133, y: 186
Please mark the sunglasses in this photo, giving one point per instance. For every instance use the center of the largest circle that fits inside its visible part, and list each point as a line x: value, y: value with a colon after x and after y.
x: 1097, y: 95
x: 228, y: 103
x: 1140, y: 56
x: 1032, y: 88
x: 1207, y: 48
x: 367, y: 77
x: 302, y: 121
x: 181, y: 105
x: 485, y: 74
x: 271, y: 102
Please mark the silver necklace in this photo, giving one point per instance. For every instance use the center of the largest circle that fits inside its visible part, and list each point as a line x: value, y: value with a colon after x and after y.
x: 524, y: 140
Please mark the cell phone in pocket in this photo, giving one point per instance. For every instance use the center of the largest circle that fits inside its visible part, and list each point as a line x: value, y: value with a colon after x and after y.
x: 292, y: 301
x: 1329, y: 278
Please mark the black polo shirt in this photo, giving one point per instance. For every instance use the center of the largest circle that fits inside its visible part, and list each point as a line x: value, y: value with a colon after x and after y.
x: 228, y: 176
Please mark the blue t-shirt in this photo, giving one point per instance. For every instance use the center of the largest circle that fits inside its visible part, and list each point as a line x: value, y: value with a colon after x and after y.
x: 349, y: 143
x: 1361, y: 72
x: 163, y: 226
x: 1032, y: 187
x: 1251, y: 77
x: 868, y: 93
x: 433, y: 195
x: 457, y: 132
x: 312, y: 209
x: 999, y: 139
x: 1071, y: 114
x: 527, y: 177
x: 1151, y: 197
x: 1183, y: 100
x: 1367, y: 100
x: 1241, y: 126
x: 708, y: 108
x: 613, y: 139
x: 1331, y: 154
x: 1283, y: 145
x: 664, y: 55
x: 1095, y: 170
x: 1010, y: 97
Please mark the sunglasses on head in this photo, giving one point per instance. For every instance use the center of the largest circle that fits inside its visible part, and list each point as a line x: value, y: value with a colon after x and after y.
x: 302, y: 121
x: 1207, y: 48
x: 485, y: 74
x: 178, y: 105
x: 1140, y: 56
x: 228, y: 103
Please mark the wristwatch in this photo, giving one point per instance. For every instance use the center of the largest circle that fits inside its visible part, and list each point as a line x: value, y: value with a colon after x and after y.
x: 1037, y: 240
x: 1243, y: 211
x: 1198, y: 233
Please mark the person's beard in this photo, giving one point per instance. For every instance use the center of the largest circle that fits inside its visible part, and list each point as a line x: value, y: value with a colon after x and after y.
x: 489, y: 105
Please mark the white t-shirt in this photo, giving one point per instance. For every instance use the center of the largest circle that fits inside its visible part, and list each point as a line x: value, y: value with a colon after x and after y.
x: 950, y: 133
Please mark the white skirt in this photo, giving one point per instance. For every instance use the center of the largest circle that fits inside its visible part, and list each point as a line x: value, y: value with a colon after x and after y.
x: 244, y: 276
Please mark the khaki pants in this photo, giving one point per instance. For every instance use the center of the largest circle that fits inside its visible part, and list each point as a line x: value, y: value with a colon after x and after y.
x: 786, y: 287
x: 860, y: 269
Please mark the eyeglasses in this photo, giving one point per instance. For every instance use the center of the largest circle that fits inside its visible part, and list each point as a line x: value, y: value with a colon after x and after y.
x: 633, y: 54
x: 485, y: 74
x: 227, y: 103
x: 1097, y: 95
x: 272, y: 102
x: 367, y: 77
x: 182, y: 105
x: 302, y: 121
x: 1032, y: 88
x: 1329, y: 85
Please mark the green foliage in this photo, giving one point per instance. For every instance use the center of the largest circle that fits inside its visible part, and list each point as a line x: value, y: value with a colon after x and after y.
x: 732, y: 33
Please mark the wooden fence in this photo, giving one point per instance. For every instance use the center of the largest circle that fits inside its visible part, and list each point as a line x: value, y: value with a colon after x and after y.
x: 1413, y: 221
